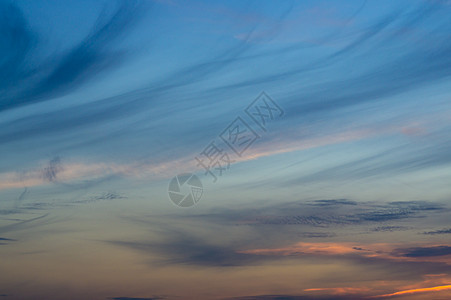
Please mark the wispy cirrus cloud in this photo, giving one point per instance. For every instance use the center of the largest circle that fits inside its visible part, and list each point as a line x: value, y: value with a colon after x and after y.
x: 48, y: 78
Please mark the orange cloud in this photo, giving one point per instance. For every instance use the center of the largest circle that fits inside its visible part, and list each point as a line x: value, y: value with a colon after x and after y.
x: 326, y: 248
x: 339, y: 290
x: 160, y: 170
x: 376, y: 250
x: 414, y: 291
x: 73, y: 171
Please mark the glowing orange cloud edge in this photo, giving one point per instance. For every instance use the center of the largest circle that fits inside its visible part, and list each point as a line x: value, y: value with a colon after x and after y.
x: 413, y: 291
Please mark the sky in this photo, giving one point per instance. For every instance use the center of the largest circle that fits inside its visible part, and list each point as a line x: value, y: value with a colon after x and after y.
x: 225, y: 149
